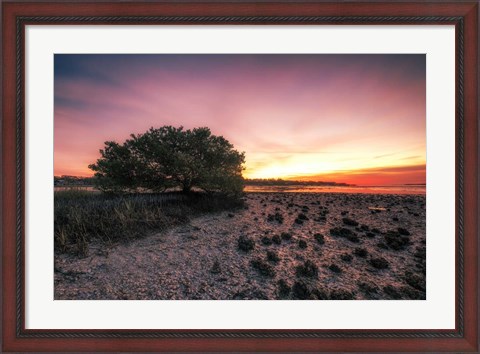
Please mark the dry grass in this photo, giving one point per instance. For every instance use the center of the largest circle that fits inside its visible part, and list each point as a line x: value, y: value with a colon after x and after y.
x: 82, y: 216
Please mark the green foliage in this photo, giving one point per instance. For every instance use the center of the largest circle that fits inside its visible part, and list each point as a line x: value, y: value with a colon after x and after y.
x: 170, y: 157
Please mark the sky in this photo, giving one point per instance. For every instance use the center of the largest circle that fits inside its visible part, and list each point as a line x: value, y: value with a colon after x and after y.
x: 358, y: 119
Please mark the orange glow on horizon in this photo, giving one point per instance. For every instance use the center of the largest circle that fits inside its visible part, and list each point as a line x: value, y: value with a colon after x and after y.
x: 379, y: 176
x: 360, y: 168
x: 382, y: 176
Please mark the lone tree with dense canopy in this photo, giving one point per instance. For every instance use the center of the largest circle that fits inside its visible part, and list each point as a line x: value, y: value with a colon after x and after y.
x: 170, y: 157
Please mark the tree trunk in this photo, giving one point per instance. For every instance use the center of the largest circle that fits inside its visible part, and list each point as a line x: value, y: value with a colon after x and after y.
x: 187, y: 187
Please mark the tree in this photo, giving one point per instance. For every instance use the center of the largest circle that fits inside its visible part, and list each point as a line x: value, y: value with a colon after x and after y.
x: 170, y: 157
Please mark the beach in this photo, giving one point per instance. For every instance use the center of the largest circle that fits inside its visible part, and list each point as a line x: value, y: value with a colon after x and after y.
x: 313, y: 246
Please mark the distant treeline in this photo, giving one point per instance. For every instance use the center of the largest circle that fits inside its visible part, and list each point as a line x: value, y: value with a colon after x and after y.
x: 282, y: 182
x: 89, y: 181
x: 72, y: 181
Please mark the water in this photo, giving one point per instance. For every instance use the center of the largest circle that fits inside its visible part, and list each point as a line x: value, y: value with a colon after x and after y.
x: 398, y: 189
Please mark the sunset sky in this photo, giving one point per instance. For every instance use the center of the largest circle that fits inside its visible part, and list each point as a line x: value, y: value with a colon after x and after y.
x: 346, y: 118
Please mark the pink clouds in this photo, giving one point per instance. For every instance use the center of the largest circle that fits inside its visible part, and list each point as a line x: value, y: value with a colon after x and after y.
x: 348, y: 105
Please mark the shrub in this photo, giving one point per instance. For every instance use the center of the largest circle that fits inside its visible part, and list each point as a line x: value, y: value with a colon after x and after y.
x: 245, y: 243
x: 273, y: 256
x: 420, y: 253
x: 302, y: 244
x: 396, y: 241
x: 302, y: 216
x: 345, y: 233
x: 283, y: 289
x: 216, y: 269
x: 286, y: 236
x: 392, y: 292
x: 276, y: 239
x: 364, y: 227
x: 301, y: 291
x: 349, y: 222
x: 411, y: 293
x: 320, y: 238
x: 266, y: 240
x: 275, y: 217
x: 320, y: 294
x: 263, y: 268
x: 379, y: 263
x: 382, y: 245
x: 367, y: 288
x: 341, y: 295
x: 353, y: 238
x: 340, y: 232
x: 334, y: 268
x: 415, y: 281
x: 360, y: 252
x: 307, y: 269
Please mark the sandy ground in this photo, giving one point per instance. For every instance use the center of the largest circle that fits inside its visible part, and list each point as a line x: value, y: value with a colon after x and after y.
x: 281, y: 246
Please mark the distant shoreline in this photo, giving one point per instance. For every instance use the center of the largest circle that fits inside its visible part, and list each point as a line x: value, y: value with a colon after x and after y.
x: 75, y: 181
x: 310, y: 189
x: 282, y: 182
x: 275, y: 186
x: 66, y: 181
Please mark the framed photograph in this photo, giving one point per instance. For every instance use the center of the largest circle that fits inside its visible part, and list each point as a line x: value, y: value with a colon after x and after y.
x: 240, y: 176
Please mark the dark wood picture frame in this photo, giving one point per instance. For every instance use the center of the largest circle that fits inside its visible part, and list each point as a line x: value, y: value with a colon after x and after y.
x: 17, y: 14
